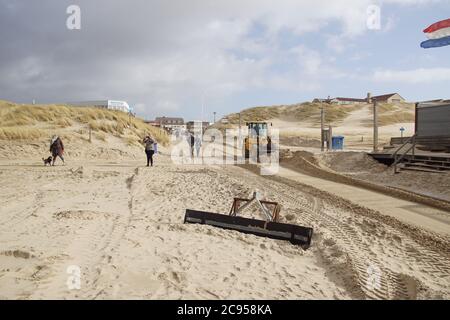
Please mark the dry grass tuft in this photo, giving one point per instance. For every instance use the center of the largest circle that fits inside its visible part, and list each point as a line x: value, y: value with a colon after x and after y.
x: 100, y: 136
x: 21, y: 134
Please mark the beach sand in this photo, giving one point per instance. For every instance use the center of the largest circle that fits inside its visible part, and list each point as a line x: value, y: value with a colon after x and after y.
x: 121, y: 224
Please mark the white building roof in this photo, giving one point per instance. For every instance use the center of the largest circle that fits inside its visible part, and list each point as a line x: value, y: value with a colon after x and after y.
x: 109, y: 104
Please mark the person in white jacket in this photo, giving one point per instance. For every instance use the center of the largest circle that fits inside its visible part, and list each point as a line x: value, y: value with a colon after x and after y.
x: 198, y: 144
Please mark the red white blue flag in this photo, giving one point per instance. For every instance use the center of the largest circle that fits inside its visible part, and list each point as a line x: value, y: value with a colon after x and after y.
x: 438, y: 35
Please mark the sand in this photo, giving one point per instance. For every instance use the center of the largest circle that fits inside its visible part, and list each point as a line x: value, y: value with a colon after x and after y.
x: 412, y: 213
x: 122, y: 224
x: 361, y: 166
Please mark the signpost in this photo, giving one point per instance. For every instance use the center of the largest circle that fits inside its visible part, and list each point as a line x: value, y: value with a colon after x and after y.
x: 401, y: 132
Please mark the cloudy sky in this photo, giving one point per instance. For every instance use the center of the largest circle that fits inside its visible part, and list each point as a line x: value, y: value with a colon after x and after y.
x: 171, y: 57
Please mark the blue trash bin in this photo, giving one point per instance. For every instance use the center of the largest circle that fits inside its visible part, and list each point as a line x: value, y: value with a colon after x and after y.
x: 337, y: 143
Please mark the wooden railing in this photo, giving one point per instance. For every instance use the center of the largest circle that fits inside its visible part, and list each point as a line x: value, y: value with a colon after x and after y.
x: 398, y: 157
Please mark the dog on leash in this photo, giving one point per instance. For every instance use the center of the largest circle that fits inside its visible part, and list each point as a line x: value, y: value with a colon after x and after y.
x: 47, y: 161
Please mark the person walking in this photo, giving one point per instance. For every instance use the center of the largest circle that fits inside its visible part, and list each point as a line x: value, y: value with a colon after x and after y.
x: 57, y: 149
x: 149, y: 149
x: 192, y: 143
x: 198, y: 144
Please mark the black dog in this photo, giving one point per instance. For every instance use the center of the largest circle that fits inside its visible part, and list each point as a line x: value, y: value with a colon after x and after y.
x: 47, y: 161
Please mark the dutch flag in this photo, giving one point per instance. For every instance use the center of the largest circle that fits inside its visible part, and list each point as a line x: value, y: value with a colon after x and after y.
x: 438, y: 35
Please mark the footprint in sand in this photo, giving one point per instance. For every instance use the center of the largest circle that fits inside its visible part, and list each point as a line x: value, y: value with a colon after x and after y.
x: 17, y: 254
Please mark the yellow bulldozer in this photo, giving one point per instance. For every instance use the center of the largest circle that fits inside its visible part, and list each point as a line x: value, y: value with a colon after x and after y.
x: 258, y: 141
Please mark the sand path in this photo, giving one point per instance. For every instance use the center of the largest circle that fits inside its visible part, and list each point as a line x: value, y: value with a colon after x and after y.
x: 419, y: 215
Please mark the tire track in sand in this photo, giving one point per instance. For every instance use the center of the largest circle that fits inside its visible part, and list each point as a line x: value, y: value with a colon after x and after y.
x: 391, y: 285
x: 424, y: 257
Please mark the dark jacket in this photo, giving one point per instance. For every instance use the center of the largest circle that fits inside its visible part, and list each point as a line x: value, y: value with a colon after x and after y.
x: 57, y: 148
x: 149, y: 144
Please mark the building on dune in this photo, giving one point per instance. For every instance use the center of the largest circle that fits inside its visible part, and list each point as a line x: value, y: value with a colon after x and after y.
x: 105, y: 104
x: 342, y: 100
x: 169, y: 123
x: 386, y: 98
x: 197, y: 126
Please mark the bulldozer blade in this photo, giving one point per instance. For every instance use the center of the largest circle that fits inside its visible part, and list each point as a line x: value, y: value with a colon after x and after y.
x: 297, y: 235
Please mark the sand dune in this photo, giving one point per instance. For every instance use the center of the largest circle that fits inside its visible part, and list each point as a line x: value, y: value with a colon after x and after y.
x: 299, y: 124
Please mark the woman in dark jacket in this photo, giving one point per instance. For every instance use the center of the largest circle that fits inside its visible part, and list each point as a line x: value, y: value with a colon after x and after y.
x: 149, y: 149
x: 57, y: 149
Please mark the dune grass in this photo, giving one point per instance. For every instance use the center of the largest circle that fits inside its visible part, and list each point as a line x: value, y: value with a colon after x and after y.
x: 25, y: 121
x: 387, y: 108
x: 18, y: 133
x: 297, y: 112
x: 310, y: 113
x: 398, y: 117
x: 393, y: 113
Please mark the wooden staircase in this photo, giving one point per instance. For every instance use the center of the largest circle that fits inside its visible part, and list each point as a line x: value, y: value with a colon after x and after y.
x: 425, y: 164
x: 405, y: 158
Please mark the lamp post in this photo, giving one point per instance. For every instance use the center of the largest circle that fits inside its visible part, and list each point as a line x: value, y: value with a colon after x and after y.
x: 322, y: 127
x: 240, y: 131
x: 375, y: 126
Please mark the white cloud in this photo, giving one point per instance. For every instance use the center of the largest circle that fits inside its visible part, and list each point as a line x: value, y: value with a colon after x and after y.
x: 389, y: 24
x: 422, y: 75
